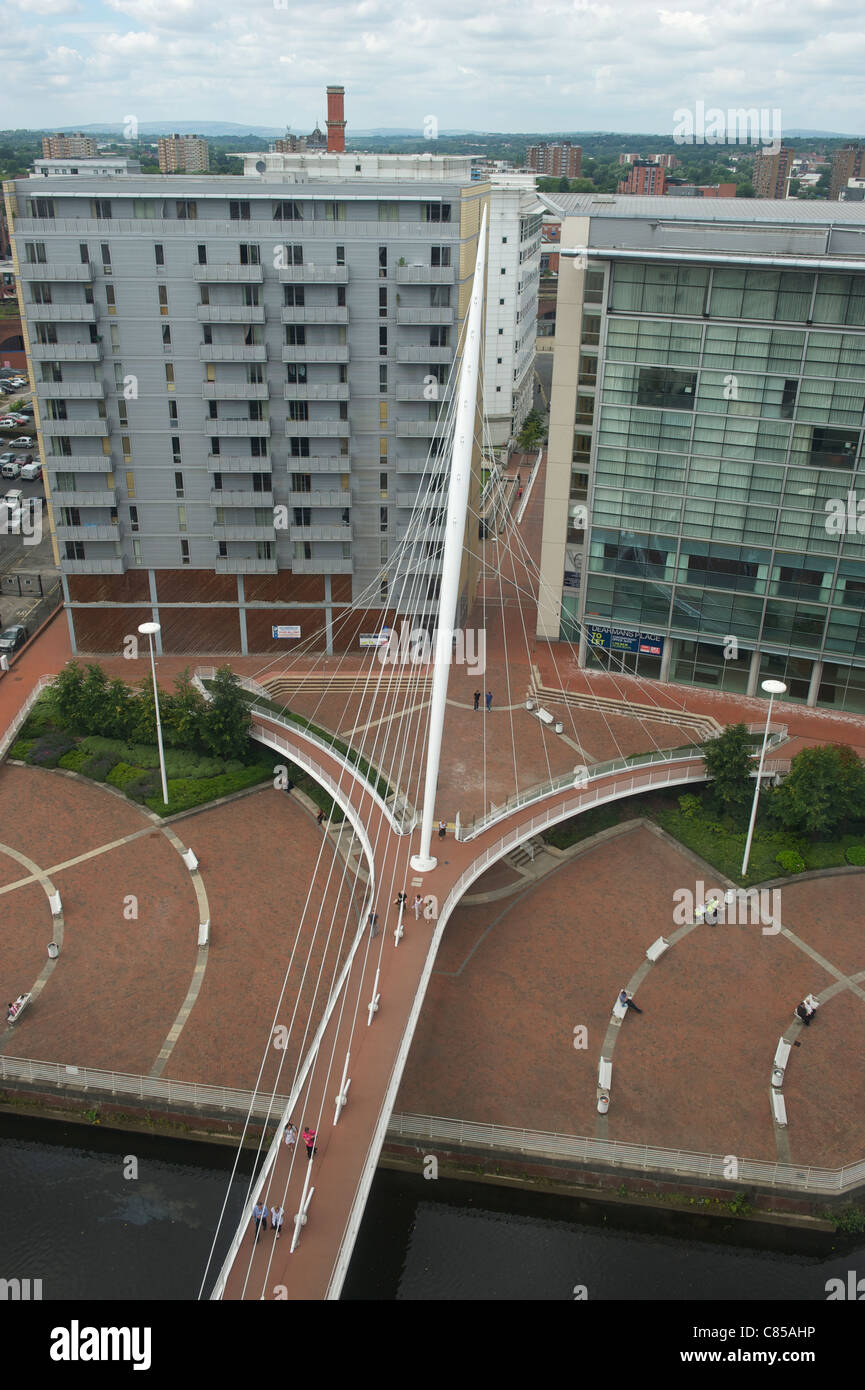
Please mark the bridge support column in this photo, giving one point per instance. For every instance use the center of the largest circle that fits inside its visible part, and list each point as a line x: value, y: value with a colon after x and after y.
x: 458, y: 496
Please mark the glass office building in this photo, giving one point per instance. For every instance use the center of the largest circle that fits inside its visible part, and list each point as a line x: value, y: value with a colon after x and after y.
x: 714, y: 381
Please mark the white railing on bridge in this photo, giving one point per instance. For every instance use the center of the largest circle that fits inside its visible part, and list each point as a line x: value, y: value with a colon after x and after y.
x: 540, y: 1144
x: 8, y: 738
x: 115, y: 1083
x: 399, y: 811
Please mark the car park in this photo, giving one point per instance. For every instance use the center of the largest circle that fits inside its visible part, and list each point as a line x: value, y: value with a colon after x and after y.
x: 13, y: 638
x: 24, y: 441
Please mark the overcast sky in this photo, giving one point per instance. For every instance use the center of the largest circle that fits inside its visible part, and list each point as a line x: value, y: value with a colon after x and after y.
x: 508, y: 65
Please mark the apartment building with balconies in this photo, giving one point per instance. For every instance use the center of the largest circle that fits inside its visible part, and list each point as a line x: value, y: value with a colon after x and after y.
x: 237, y: 385
x: 513, y: 277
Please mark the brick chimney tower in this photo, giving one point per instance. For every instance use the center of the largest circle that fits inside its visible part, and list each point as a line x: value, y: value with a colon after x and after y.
x: 335, y: 120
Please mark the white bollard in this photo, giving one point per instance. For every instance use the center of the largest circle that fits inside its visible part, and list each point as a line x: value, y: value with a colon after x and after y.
x: 190, y: 861
x: 204, y: 933
x: 54, y: 904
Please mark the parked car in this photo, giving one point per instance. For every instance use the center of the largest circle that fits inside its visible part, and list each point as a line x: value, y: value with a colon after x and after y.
x: 24, y: 441
x: 30, y: 471
x: 13, y: 638
x: 13, y: 498
x: 11, y: 470
x: 11, y: 422
x: 6, y: 458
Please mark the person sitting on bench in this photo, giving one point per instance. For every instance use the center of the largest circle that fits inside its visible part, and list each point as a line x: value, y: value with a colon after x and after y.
x: 15, y: 1009
x: 805, y: 1012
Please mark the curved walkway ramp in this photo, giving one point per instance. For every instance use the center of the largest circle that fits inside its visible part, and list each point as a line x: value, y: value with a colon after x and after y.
x: 332, y: 1189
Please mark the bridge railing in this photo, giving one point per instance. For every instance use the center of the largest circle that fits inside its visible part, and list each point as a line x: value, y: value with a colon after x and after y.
x: 537, y: 1143
x: 399, y: 811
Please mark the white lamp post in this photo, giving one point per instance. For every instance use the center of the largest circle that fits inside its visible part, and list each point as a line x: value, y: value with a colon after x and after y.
x: 772, y: 689
x: 148, y: 629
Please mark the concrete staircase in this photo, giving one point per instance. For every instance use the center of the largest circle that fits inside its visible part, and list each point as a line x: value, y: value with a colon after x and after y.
x: 351, y: 683
x: 702, y: 725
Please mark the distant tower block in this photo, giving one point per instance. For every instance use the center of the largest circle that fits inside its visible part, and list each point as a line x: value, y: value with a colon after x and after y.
x: 335, y: 120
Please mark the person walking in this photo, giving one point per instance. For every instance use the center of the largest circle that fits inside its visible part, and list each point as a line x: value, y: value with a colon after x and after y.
x: 259, y: 1217
x: 289, y: 787
x: 489, y: 699
x: 309, y: 1141
x: 417, y: 905
x: 277, y: 1216
x: 400, y: 901
x: 627, y: 1001
x: 372, y: 920
x: 290, y: 1135
x: 443, y: 830
x: 319, y: 818
x: 477, y: 699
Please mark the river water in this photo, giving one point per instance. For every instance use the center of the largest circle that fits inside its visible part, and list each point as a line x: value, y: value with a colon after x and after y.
x: 70, y: 1217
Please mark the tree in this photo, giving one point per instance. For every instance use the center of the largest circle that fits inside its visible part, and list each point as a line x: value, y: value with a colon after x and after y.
x: 729, y: 763
x: 183, y: 713
x: 225, y: 725
x: 564, y: 185
x: 825, y: 786
x: 66, y: 697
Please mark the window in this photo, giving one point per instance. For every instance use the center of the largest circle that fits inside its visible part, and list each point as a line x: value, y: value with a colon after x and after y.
x: 302, y: 516
x: 258, y: 448
x: 172, y: 412
x: 382, y: 303
x: 187, y: 210
x: 255, y: 374
x: 169, y: 376
x: 106, y: 257
x: 383, y: 484
x: 388, y: 212
x: 205, y: 294
x: 130, y: 484
x: 222, y: 550
x: 74, y: 550
x: 84, y: 252
x: 382, y: 378
x: 440, y: 296
x: 287, y: 211
x: 340, y: 296
x: 111, y: 299
x: 202, y: 255
x: 435, y: 212
x: 114, y: 336
x: 214, y: 445
x: 257, y: 410
x: 213, y: 410
x: 166, y: 336
x: 298, y: 410
x: 295, y: 373
x: 340, y: 255
x: 46, y: 333
x: 382, y: 262
x: 88, y: 295
x: 42, y: 208
x: 382, y: 518
x: 382, y: 449
x: 207, y: 335
x: 327, y: 211
x: 301, y: 482
x: 35, y: 252
x: 121, y: 411
x: 665, y: 387
x: 52, y: 371
x: 299, y: 447
x: 250, y: 253
x: 40, y: 294
x: 159, y: 253
x: 126, y: 447
x: 382, y: 412
x: 100, y: 209
x: 238, y: 210
x: 295, y: 335
x: 162, y: 293
x: 178, y: 477
x: 382, y: 342
x: 293, y: 296
x: 251, y: 295
x: 184, y: 552
x: 440, y: 255
x: 181, y: 518
x: 294, y: 255
x: 56, y: 410
x: 438, y: 337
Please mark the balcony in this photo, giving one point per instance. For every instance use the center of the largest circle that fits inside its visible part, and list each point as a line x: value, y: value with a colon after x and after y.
x: 422, y: 352
x: 314, y: 274
x: 70, y: 390
x: 319, y: 533
x: 66, y: 352
x: 421, y: 464
x: 80, y: 463
x: 336, y: 353
x: 409, y: 429
x: 322, y: 428
x: 258, y: 429
x: 329, y: 391
x: 342, y: 500
x: 28, y: 271
x: 320, y: 463
x: 108, y: 532
x: 109, y: 564
x: 244, y: 533
x: 230, y: 313
x: 219, y: 352
x: 106, y: 498
x: 425, y: 274
x: 416, y: 392
x: 238, y: 463
x: 228, y: 274
x: 234, y: 391
x: 228, y: 564
x: 421, y: 499
x: 94, y: 427
x: 60, y: 313
x: 427, y: 315
x: 334, y: 313
x: 240, y: 498
x: 328, y: 565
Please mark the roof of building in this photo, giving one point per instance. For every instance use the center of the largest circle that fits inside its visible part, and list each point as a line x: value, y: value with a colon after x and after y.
x: 774, y: 210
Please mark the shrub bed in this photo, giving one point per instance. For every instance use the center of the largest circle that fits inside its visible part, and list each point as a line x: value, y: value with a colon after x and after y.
x: 20, y: 748
x: 184, y: 793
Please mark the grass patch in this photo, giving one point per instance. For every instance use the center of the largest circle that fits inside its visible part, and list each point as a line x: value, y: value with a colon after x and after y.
x: 74, y: 760
x: 20, y: 748
x: 186, y: 793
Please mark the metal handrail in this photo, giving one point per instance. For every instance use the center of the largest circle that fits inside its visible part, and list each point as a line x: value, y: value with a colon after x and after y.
x: 804, y: 1178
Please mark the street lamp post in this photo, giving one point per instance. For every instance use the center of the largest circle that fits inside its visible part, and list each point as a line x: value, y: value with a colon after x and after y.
x: 772, y: 689
x: 148, y: 629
